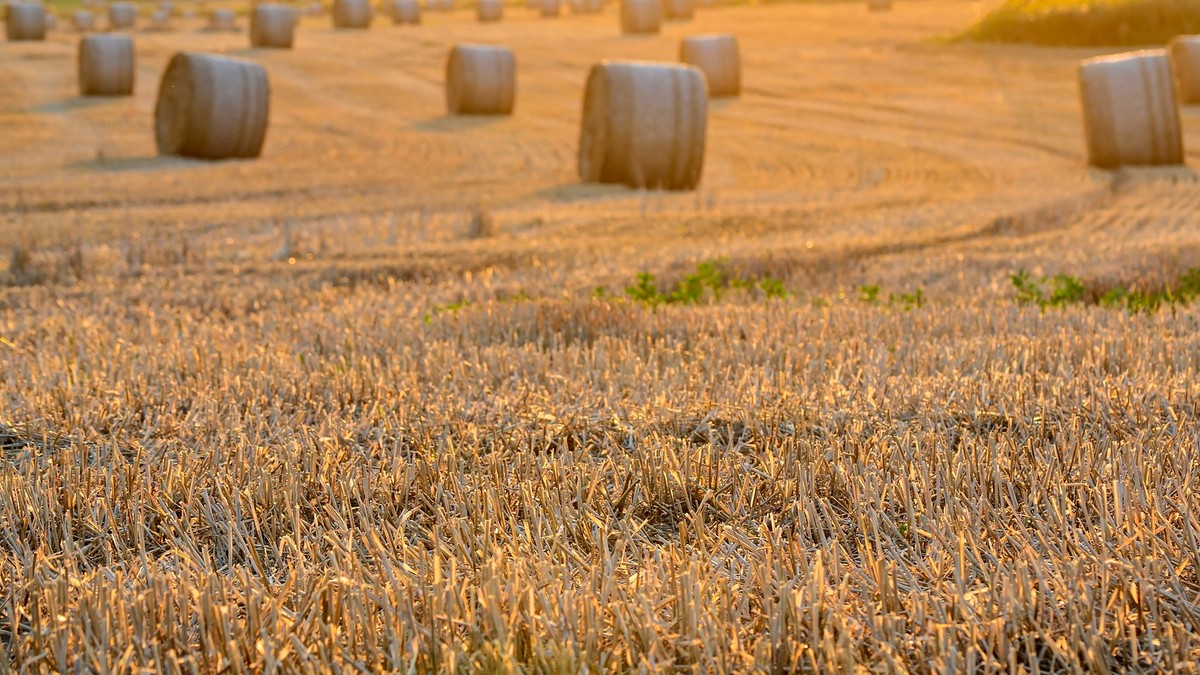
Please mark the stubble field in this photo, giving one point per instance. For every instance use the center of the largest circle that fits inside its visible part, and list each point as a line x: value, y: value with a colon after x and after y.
x: 380, y: 400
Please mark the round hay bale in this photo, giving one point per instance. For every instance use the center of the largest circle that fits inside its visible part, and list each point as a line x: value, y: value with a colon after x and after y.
x: 481, y: 80
x: 106, y: 65
x: 272, y: 26
x: 587, y: 6
x: 212, y: 107
x: 160, y: 20
x: 1185, y: 60
x: 351, y: 14
x: 405, y: 11
x: 83, y: 21
x: 879, y: 5
x: 550, y: 9
x: 644, y: 125
x: 489, y: 10
x: 26, y: 21
x: 718, y: 57
x: 679, y: 10
x: 222, y: 19
x: 641, y: 16
x: 439, y: 5
x: 1130, y: 116
x: 122, y: 15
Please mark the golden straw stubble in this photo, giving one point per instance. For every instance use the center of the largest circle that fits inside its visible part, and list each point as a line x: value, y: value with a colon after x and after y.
x: 212, y: 107
x: 644, y: 125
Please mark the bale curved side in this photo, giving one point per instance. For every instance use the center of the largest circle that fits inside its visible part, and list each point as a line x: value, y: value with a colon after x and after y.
x: 212, y: 107
x: 641, y: 16
x: 679, y: 10
x: 550, y: 9
x: 272, y: 26
x: 644, y: 125
x: 1185, y: 61
x: 26, y: 21
x: 351, y: 14
x: 160, y: 20
x: 404, y: 11
x: 1130, y: 115
x: 106, y: 65
x: 719, y: 58
x: 222, y: 19
x: 488, y: 11
x: 122, y: 15
x: 481, y: 80
x: 83, y: 21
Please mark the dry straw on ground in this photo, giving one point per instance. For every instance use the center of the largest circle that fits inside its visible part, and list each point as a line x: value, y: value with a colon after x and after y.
x: 25, y: 21
x: 107, y: 65
x: 122, y: 15
x: 489, y: 10
x: 481, y: 80
x: 641, y: 16
x: 644, y: 125
x: 1185, y: 61
x: 1130, y: 112
x: 272, y: 26
x: 352, y: 14
x: 719, y: 58
x: 212, y: 107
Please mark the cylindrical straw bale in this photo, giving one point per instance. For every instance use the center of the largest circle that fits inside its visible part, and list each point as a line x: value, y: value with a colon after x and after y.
x: 122, y: 15
x: 106, y: 65
x: 681, y: 10
x: 272, y: 26
x: 1130, y: 114
x: 641, y: 16
x: 481, y: 80
x: 489, y: 10
x: 1185, y: 61
x: 160, y: 20
x: 26, y: 21
x: 717, y: 56
x: 550, y: 8
x: 405, y: 11
x: 351, y: 13
x: 644, y: 125
x: 83, y: 21
x: 879, y: 5
x: 587, y: 6
x: 212, y: 107
x: 439, y: 5
x: 222, y: 19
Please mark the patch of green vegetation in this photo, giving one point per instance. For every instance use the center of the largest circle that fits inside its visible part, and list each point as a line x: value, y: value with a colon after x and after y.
x: 870, y: 295
x: 1079, y: 23
x: 710, y: 280
x: 1063, y: 289
x: 450, y: 307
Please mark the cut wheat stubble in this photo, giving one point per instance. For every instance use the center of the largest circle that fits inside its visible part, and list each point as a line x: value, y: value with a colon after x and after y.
x: 1130, y: 115
x: 272, y: 26
x: 1185, y: 61
x: 644, y: 125
x: 212, y: 107
x: 107, y: 65
x: 641, y: 16
x: 26, y: 21
x: 719, y: 58
x: 353, y: 14
x: 481, y: 80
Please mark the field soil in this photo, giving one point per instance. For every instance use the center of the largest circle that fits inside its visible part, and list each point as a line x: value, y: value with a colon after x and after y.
x: 377, y: 399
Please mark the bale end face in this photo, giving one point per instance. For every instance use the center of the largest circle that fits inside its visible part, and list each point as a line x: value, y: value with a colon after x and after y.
x: 488, y: 11
x: 1185, y: 61
x: 272, y: 26
x: 481, y: 80
x: 1130, y: 116
x: 719, y: 58
x: 26, y: 21
x: 212, y: 107
x: 106, y: 65
x: 122, y: 15
x: 644, y: 125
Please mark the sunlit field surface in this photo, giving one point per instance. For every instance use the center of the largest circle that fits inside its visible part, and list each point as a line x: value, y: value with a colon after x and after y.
x: 381, y: 400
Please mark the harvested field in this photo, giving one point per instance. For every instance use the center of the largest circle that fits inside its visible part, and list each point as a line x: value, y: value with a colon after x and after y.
x: 380, y: 399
